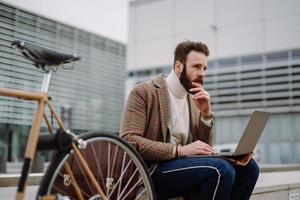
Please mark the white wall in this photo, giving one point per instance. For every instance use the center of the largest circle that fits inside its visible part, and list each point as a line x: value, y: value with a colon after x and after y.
x: 150, y: 34
x: 230, y: 28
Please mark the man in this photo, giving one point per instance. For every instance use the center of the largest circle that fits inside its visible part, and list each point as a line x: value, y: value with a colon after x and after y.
x: 170, y: 120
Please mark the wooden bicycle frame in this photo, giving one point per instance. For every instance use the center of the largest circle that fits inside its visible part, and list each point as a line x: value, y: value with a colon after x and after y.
x: 43, y: 99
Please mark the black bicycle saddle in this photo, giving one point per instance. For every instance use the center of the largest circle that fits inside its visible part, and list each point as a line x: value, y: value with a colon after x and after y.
x: 42, y: 56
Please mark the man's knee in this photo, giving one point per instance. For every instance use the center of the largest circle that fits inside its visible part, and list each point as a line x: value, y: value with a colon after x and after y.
x: 253, y: 169
x: 227, y: 171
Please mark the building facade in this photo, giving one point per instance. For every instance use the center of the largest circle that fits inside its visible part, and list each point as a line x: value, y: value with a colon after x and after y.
x: 254, y: 62
x: 88, y: 97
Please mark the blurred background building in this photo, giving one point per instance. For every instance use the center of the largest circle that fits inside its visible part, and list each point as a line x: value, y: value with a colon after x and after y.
x: 254, y: 65
x: 89, y: 97
x: 254, y: 62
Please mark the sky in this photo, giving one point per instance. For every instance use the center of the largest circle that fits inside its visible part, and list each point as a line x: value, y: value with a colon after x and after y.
x: 104, y: 17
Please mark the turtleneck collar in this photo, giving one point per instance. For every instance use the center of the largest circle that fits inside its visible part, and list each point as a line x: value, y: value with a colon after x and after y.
x: 175, y: 86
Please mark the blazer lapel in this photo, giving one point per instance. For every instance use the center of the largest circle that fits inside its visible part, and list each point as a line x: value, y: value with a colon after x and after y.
x: 194, y: 117
x: 163, y: 99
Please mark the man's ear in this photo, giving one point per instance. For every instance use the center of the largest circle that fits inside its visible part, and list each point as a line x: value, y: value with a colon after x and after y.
x: 178, y: 67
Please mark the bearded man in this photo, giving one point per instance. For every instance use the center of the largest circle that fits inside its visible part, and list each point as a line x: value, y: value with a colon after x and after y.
x: 170, y: 121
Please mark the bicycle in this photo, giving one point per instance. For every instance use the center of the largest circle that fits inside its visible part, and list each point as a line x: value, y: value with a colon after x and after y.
x: 90, y: 166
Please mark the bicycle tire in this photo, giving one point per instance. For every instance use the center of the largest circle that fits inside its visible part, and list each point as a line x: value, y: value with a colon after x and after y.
x: 99, y: 144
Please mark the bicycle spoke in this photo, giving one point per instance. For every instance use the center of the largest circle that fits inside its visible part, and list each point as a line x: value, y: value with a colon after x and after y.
x: 108, y: 169
x: 110, y: 179
x: 108, y: 160
x: 115, y: 166
x: 73, y: 180
x: 140, y: 194
x: 123, y: 163
x: 97, y: 163
x: 137, y: 183
x: 114, y: 160
x: 60, y: 174
x: 121, y: 176
x: 135, y: 171
x: 84, y: 176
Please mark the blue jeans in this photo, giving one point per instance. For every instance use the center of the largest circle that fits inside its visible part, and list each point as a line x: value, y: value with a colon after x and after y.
x: 204, y: 178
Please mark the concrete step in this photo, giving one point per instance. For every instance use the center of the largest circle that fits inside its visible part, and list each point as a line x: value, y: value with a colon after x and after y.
x: 276, y: 182
x: 284, y: 185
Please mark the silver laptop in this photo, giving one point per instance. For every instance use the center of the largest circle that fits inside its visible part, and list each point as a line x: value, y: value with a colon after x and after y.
x: 250, y: 136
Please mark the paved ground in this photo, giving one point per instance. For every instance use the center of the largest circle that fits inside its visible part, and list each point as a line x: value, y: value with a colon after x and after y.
x: 8, y: 193
x: 277, y: 180
x: 16, y: 167
x: 265, y: 180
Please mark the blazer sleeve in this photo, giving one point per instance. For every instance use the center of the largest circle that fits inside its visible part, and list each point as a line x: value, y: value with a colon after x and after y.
x: 133, y: 128
x: 206, y: 133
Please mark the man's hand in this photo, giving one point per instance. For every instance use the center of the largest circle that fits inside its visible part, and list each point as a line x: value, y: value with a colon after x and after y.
x: 197, y: 148
x: 201, y: 99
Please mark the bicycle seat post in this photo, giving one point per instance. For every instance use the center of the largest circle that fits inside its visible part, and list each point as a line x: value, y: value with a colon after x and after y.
x: 46, y: 81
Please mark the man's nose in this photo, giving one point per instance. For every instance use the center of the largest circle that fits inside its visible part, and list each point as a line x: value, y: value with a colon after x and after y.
x: 201, y: 73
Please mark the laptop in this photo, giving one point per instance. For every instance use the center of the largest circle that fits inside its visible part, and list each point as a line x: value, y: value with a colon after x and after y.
x: 250, y: 136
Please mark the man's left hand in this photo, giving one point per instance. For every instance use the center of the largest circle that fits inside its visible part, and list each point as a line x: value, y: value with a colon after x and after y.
x: 201, y: 99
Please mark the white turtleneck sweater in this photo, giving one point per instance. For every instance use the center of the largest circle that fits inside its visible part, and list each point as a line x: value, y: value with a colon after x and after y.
x: 179, y: 122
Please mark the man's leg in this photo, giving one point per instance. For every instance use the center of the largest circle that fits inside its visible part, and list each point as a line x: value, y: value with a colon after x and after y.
x: 205, y: 177
x: 246, y: 177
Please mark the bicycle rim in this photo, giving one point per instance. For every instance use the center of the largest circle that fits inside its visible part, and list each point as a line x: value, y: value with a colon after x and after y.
x: 117, y: 167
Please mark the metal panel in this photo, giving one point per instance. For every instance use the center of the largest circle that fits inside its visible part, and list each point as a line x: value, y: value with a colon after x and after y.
x: 93, y: 89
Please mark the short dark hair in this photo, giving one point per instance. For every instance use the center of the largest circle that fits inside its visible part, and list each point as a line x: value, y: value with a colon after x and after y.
x: 185, y: 47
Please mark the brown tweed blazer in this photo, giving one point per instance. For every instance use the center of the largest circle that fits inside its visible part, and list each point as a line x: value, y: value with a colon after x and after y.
x: 145, y: 121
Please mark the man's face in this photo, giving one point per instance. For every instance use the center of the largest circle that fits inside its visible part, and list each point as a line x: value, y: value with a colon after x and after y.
x: 193, y: 70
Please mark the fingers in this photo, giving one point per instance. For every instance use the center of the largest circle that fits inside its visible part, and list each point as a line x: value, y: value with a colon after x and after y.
x: 197, y: 88
x: 203, y: 152
x: 199, y: 92
x: 197, y: 148
x: 201, y: 96
x: 199, y: 142
x: 203, y: 148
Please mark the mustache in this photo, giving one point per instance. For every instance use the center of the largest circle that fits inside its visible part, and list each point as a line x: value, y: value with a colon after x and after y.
x: 199, y: 80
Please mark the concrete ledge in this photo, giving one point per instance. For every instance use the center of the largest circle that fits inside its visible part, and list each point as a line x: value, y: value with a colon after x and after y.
x: 277, y: 193
x: 284, y: 185
x: 279, y: 168
x: 273, y: 183
x: 11, y: 180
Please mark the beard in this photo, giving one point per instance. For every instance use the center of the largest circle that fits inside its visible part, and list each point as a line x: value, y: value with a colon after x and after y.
x: 186, y: 81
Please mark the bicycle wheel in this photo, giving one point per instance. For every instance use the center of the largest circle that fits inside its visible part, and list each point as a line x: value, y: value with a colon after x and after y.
x: 118, y: 168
